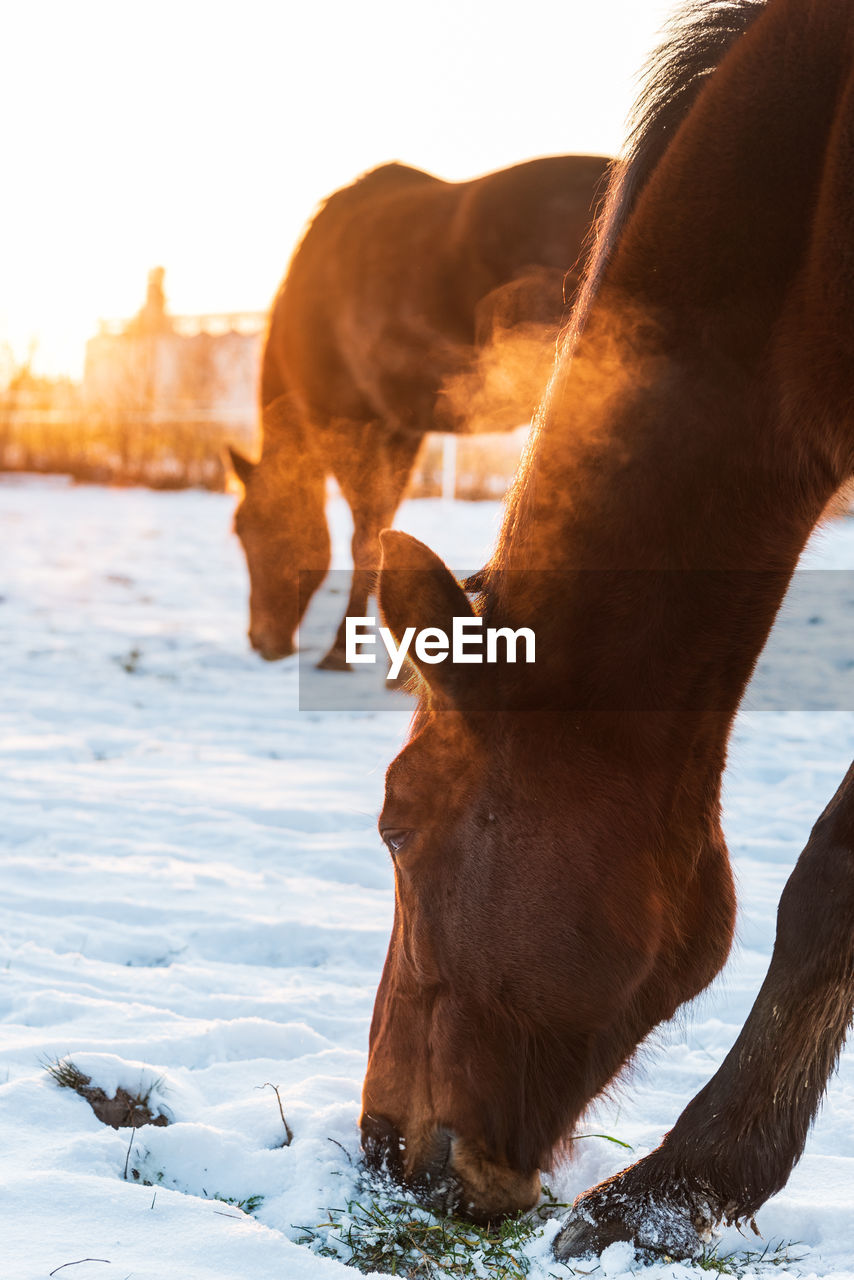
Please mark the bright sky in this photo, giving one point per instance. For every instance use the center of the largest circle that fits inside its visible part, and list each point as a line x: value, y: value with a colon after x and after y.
x: 200, y: 135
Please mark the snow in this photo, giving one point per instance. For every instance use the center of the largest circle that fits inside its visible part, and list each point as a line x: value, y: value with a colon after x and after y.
x: 195, y: 902
x: 616, y: 1259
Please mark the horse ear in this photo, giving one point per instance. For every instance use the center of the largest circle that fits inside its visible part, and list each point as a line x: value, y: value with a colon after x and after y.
x: 416, y: 589
x: 241, y: 465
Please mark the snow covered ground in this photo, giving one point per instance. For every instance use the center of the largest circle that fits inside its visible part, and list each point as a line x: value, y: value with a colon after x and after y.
x: 194, y: 897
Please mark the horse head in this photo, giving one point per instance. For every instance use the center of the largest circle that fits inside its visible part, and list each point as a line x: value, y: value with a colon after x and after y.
x: 281, y: 524
x: 532, y: 947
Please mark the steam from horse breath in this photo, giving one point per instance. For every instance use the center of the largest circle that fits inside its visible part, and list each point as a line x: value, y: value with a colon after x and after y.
x: 516, y: 326
x: 521, y: 352
x: 505, y: 381
x: 532, y: 365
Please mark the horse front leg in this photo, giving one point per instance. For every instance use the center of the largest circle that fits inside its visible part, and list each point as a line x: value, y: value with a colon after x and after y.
x: 373, y: 479
x: 361, y: 586
x: 737, y: 1141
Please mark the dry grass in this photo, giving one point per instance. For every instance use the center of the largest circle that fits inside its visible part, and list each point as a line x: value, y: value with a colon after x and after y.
x: 113, y: 450
x: 123, y: 1111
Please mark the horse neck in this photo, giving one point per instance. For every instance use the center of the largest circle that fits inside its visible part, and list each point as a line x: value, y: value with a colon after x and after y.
x: 294, y: 472
x: 657, y: 535
x: 683, y: 454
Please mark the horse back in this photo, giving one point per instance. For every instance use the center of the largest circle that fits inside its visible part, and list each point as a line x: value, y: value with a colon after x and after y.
x: 532, y: 215
x: 380, y: 307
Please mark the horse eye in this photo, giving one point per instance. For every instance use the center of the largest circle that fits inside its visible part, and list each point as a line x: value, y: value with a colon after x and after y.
x: 394, y: 838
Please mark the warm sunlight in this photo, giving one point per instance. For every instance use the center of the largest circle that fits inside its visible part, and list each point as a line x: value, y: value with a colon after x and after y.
x: 426, y: 584
x: 201, y: 136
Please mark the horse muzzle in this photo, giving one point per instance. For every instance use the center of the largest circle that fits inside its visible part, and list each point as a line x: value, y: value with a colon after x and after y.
x: 448, y: 1174
x: 271, y: 648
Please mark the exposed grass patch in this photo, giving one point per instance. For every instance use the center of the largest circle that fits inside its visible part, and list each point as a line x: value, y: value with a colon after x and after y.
x: 125, y: 1110
x: 386, y: 1231
x: 739, y: 1263
x: 248, y: 1204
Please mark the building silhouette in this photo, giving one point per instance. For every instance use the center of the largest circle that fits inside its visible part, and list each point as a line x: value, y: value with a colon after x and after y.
x: 159, y: 368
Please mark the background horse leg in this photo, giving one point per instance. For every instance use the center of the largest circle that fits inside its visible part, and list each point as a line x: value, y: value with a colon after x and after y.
x: 373, y: 477
x: 736, y: 1143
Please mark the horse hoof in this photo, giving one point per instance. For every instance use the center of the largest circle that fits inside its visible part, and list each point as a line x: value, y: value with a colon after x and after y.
x: 658, y: 1226
x: 334, y: 661
x: 583, y: 1237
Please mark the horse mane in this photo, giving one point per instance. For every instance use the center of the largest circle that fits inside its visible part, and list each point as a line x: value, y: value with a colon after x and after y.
x: 695, y: 41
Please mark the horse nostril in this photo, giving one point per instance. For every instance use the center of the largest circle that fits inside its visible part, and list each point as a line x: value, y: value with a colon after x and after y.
x: 382, y: 1145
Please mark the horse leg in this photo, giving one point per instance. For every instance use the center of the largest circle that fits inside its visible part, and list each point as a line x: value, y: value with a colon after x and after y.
x: 736, y: 1142
x: 373, y: 479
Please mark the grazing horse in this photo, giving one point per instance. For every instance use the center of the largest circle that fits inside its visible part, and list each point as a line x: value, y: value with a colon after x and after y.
x: 405, y: 293
x: 562, y: 880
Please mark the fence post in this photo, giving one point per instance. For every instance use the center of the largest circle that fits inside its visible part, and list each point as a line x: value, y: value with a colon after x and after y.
x: 449, y: 466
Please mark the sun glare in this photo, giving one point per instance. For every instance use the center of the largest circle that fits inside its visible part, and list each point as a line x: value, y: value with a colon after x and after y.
x: 201, y: 137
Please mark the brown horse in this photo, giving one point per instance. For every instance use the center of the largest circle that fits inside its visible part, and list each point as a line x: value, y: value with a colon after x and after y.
x: 404, y: 292
x: 562, y: 881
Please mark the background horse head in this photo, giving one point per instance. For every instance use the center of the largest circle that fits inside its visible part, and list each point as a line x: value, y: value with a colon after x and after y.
x: 281, y: 524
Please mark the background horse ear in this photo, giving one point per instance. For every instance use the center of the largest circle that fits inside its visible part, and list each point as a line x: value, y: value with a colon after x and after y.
x: 241, y: 465
x: 416, y: 589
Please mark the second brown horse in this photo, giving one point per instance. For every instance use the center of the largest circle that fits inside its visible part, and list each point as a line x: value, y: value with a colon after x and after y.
x: 400, y: 302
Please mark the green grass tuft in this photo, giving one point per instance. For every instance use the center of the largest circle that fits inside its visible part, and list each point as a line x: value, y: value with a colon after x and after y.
x: 249, y: 1204
x: 744, y: 1260
x: 387, y: 1231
